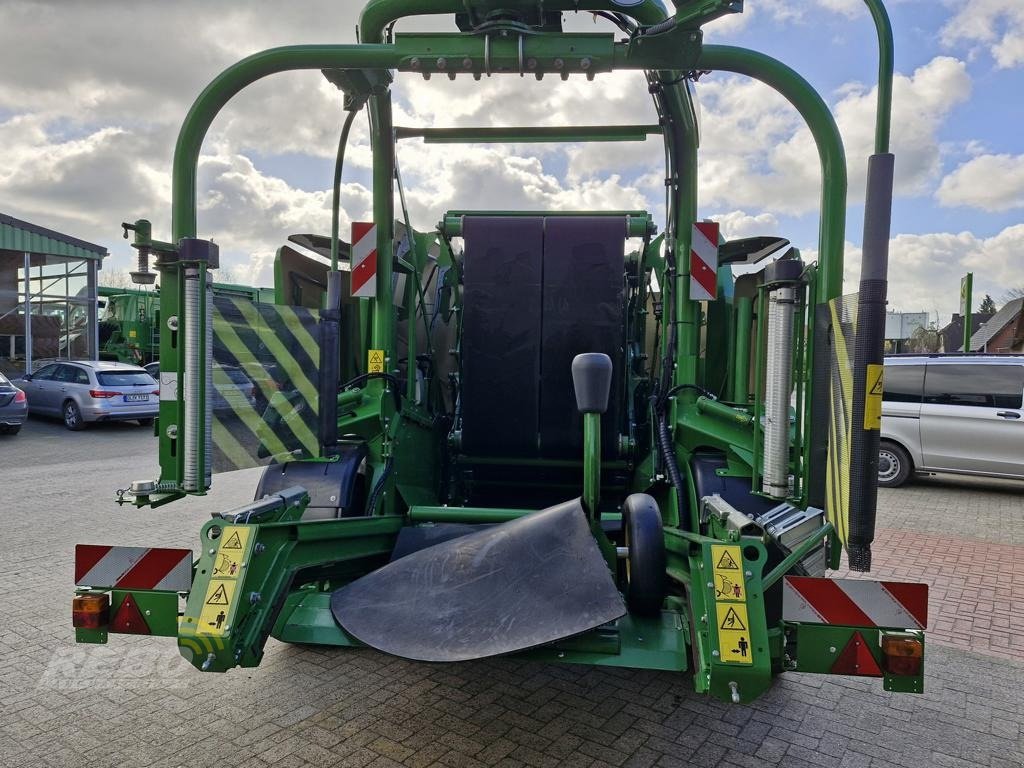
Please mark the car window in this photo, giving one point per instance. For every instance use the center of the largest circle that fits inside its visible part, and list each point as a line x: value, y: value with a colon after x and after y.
x: 4, y: 379
x: 65, y: 373
x: 80, y: 376
x: 987, y: 386
x: 903, y: 383
x: 45, y: 373
x: 130, y: 378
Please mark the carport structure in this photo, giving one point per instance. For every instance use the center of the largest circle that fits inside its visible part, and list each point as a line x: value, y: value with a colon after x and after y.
x: 47, y: 295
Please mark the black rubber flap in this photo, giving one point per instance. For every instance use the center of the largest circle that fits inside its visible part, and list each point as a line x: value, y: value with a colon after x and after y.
x: 510, y: 587
x: 584, y: 268
x: 501, y: 335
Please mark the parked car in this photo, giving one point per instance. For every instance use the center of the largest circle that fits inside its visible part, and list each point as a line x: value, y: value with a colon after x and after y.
x: 952, y: 413
x: 84, y: 391
x: 13, y: 407
x: 232, y: 389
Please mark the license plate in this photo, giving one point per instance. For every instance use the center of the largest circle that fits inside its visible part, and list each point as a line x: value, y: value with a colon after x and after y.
x: 136, y: 398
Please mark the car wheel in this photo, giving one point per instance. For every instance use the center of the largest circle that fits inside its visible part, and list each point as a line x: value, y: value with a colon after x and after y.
x: 73, y: 416
x: 145, y: 422
x: 645, y: 558
x: 894, y: 465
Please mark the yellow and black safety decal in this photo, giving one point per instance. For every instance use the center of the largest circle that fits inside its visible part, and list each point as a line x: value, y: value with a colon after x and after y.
x: 843, y: 312
x: 266, y: 361
x: 375, y: 361
x: 726, y: 564
x: 228, y: 567
x: 873, y: 397
x: 733, y: 625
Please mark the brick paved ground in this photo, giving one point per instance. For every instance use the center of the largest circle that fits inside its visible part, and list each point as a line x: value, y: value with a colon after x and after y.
x: 135, y: 703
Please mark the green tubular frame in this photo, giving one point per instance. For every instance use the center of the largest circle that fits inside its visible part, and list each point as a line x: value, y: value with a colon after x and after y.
x: 291, y: 547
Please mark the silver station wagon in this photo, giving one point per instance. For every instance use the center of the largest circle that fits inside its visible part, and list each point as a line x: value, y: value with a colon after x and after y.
x: 952, y: 413
x: 83, y: 391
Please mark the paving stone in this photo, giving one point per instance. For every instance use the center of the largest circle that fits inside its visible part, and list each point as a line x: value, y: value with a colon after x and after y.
x: 66, y: 706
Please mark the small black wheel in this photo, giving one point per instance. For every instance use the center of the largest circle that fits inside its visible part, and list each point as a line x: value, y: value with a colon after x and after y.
x: 146, y: 422
x: 73, y: 417
x: 645, y: 560
x: 894, y: 465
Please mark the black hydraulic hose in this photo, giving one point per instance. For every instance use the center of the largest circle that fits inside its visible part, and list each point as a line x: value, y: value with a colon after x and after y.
x: 378, y: 487
x: 696, y: 387
x: 339, y: 164
x: 391, y: 380
x: 668, y: 456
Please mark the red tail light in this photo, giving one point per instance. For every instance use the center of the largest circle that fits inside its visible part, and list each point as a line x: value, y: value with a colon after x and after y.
x: 155, y: 392
x: 102, y: 394
x: 90, y: 611
x: 19, y: 397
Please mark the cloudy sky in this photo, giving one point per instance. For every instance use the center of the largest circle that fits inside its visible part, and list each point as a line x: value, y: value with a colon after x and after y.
x: 92, y: 93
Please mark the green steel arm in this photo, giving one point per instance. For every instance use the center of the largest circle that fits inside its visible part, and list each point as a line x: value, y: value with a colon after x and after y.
x: 799, y: 93
x: 233, y: 80
x: 883, y: 116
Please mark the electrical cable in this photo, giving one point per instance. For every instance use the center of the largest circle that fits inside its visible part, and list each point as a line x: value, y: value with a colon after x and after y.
x: 339, y: 164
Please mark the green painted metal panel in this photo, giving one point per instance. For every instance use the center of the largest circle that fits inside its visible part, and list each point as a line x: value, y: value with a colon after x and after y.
x: 21, y: 236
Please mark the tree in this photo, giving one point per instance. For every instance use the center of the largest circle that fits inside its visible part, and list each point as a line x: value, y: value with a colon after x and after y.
x: 116, y: 278
x: 924, y: 340
x: 988, y: 306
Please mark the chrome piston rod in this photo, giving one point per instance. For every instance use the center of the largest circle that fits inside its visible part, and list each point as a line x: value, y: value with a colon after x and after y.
x: 778, y: 387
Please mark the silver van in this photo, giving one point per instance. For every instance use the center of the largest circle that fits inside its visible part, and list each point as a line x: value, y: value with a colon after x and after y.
x: 952, y: 413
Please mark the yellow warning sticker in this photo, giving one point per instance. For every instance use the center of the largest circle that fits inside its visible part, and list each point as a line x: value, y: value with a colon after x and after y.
x: 375, y: 361
x: 726, y: 565
x: 213, y: 618
x: 228, y: 562
x: 234, y: 539
x: 873, y: 397
x: 733, y: 633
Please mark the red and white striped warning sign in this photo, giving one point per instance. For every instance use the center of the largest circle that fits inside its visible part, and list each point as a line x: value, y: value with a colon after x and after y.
x: 133, y: 568
x: 855, y: 602
x: 704, y: 261
x: 364, y: 259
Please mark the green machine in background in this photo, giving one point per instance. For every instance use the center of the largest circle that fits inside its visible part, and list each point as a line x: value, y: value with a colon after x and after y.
x: 129, y: 319
x: 588, y: 437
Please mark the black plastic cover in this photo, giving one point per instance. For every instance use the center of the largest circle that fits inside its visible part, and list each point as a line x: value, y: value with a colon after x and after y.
x: 592, y: 380
x: 333, y: 486
x: 584, y: 277
x: 501, y: 335
x: 510, y: 587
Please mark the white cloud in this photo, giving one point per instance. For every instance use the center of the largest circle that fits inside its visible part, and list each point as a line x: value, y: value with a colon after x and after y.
x: 988, y: 182
x: 735, y: 225
x: 996, y: 24
x: 925, y: 269
x: 755, y: 147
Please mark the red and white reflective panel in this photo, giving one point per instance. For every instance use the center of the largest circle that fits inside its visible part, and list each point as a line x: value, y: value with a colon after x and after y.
x: 133, y: 568
x: 704, y: 261
x: 855, y: 602
x: 364, y: 259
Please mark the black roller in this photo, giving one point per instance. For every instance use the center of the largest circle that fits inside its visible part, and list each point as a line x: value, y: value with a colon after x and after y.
x: 501, y: 335
x: 506, y: 588
x: 584, y: 274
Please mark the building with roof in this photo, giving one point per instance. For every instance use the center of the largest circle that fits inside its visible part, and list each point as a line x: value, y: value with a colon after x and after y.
x: 952, y: 336
x: 47, y: 296
x: 1004, y: 332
